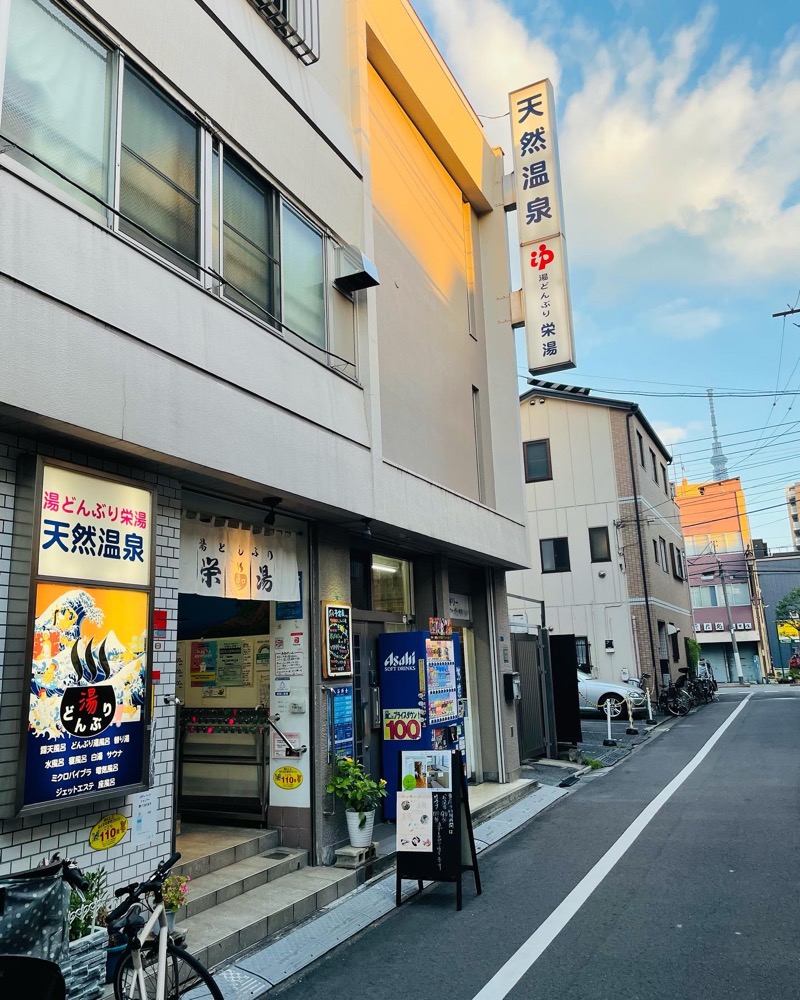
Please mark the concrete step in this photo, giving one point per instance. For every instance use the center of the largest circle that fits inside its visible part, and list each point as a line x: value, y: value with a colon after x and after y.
x: 228, y: 928
x: 223, y: 884
x: 215, y: 859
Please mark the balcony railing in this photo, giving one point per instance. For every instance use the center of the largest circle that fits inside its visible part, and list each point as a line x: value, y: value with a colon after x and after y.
x: 296, y: 22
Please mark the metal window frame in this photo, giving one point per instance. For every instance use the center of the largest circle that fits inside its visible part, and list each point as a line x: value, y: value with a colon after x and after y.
x: 552, y: 541
x: 538, y: 479
x: 288, y: 205
x: 592, y: 556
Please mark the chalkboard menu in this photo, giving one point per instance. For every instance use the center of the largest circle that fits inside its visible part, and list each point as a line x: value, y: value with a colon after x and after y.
x: 435, y: 842
x: 337, y: 640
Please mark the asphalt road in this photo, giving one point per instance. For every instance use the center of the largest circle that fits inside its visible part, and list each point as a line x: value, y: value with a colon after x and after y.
x: 704, y: 903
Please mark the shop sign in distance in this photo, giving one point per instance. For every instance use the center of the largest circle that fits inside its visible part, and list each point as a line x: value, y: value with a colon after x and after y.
x: 288, y: 777
x: 108, y: 832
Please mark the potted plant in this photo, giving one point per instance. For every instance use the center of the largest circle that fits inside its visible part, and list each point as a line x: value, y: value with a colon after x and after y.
x: 174, y: 892
x: 361, y: 796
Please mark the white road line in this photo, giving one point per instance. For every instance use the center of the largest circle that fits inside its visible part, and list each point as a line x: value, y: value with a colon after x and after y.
x: 506, y: 978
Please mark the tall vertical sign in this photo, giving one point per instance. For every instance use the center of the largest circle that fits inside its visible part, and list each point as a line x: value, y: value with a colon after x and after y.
x: 543, y: 251
x: 87, y: 707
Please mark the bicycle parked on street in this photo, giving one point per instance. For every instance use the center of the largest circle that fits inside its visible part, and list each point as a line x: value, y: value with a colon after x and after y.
x: 34, y: 906
x: 153, y: 967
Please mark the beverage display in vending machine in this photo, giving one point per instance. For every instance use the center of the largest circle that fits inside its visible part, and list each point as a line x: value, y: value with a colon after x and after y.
x: 422, y: 687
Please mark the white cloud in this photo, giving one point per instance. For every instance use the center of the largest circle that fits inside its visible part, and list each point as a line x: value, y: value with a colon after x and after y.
x: 491, y: 53
x: 669, y: 174
x: 672, y: 434
x: 680, y: 320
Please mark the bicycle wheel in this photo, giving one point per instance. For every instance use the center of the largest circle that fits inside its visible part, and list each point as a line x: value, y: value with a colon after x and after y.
x: 185, y: 977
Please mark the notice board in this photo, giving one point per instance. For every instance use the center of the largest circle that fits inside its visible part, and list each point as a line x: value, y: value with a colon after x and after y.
x: 435, y: 840
x: 337, y: 640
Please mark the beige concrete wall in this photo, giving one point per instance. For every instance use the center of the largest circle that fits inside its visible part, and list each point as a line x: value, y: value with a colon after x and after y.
x: 659, y: 518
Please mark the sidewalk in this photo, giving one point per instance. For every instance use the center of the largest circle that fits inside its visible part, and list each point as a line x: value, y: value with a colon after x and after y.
x: 254, y: 975
x: 595, y: 731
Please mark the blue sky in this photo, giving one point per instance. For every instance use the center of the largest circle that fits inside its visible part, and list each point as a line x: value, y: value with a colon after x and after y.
x: 680, y: 159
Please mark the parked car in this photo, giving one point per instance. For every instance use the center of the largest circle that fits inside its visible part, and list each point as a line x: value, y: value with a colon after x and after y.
x: 593, y: 693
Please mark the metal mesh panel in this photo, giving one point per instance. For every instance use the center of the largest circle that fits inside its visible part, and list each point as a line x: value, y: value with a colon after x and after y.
x: 296, y: 22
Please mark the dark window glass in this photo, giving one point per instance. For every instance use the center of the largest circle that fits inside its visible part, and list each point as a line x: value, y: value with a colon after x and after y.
x: 582, y: 653
x: 159, y: 188
x: 599, y: 544
x: 655, y: 466
x: 361, y: 580
x: 641, y: 448
x: 664, y: 479
x: 248, y: 245
x: 537, y: 461
x: 555, y: 555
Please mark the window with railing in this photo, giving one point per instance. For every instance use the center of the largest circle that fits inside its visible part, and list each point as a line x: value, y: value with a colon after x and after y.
x: 296, y: 23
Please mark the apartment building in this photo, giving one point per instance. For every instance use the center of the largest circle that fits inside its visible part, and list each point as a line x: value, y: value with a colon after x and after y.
x: 791, y: 511
x: 726, y: 598
x: 606, y: 546
x: 257, y: 406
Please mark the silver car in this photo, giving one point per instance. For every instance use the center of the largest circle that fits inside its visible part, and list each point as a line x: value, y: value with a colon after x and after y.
x: 593, y: 694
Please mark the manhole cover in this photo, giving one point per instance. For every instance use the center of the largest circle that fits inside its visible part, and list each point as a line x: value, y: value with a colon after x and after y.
x: 276, y: 855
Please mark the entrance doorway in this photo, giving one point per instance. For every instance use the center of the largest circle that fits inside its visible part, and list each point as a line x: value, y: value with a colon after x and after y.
x: 531, y: 724
x: 367, y: 696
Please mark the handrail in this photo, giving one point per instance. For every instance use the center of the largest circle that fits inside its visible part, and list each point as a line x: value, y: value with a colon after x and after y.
x: 294, y: 751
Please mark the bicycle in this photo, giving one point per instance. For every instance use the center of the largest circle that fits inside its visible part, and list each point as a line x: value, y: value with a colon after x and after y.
x: 35, y: 908
x: 153, y: 967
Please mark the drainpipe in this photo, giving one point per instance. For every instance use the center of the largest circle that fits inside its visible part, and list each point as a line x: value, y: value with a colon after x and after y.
x: 630, y: 414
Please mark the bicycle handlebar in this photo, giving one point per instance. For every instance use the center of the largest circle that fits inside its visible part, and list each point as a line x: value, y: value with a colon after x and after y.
x: 136, y: 890
x: 73, y: 876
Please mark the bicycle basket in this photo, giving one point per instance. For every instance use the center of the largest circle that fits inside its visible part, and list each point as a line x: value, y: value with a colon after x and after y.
x: 33, y: 911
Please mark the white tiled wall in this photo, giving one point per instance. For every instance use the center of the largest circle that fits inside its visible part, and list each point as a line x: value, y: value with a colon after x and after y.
x: 24, y: 841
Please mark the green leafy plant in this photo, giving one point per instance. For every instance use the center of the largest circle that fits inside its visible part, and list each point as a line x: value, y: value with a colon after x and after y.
x: 692, y: 654
x: 794, y: 675
x: 174, y: 891
x: 593, y: 763
x: 86, y: 909
x: 352, y: 784
x: 788, y: 607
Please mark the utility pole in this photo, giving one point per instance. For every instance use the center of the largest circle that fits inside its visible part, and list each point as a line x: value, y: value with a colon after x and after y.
x: 736, y: 657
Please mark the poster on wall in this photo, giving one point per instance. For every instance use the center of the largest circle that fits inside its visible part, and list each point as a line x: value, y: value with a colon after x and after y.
x: 290, y: 774
x: 86, y: 717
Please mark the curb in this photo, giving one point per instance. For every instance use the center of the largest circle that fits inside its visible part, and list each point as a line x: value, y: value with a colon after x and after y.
x: 254, y: 976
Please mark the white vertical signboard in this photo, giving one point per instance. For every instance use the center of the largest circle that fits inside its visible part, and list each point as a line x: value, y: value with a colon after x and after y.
x: 543, y: 255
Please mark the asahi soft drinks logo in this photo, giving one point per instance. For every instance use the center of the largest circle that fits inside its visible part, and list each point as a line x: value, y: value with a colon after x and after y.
x: 404, y: 662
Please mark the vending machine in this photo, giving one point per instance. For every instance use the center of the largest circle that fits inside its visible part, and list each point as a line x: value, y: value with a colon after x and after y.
x: 422, y: 699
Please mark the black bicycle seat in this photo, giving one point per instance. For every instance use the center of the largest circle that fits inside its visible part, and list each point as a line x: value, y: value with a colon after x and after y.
x: 129, y: 922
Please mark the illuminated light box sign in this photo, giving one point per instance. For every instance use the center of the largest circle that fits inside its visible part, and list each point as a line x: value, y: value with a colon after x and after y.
x: 94, y: 529
x: 85, y: 725
x: 543, y: 256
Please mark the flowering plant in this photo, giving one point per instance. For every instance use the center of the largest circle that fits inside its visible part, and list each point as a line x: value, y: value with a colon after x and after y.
x: 174, y: 891
x: 359, y: 791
